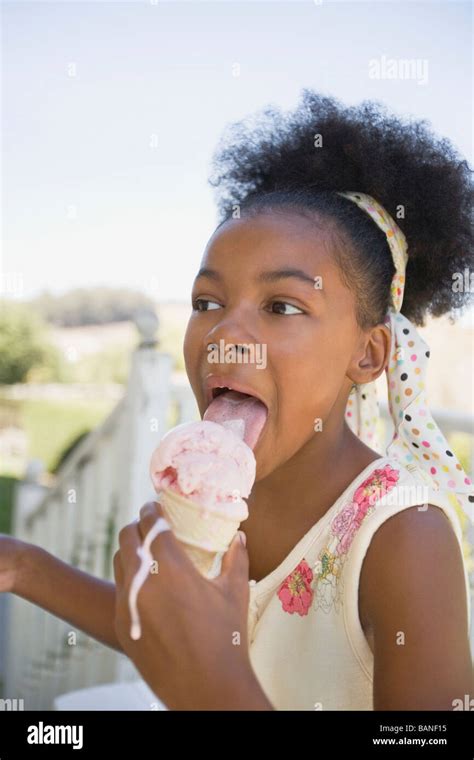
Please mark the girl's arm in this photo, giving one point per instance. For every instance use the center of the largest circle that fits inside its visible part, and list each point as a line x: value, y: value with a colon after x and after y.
x: 412, y: 583
x: 84, y: 601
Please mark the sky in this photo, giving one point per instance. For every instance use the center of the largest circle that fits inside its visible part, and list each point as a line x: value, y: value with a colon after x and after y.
x: 111, y: 112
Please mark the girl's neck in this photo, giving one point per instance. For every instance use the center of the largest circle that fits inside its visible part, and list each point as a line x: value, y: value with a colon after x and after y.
x: 307, y: 485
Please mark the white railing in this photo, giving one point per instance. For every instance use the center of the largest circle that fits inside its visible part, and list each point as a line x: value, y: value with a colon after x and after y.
x: 99, y: 489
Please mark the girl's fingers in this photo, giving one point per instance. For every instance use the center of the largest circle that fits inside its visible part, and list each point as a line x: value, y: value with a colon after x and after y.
x: 149, y: 514
x: 118, y: 570
x: 164, y: 547
x: 235, y: 563
x: 129, y: 543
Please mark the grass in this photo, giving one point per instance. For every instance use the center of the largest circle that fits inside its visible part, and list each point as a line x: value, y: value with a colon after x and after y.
x: 50, y: 426
x: 7, y: 486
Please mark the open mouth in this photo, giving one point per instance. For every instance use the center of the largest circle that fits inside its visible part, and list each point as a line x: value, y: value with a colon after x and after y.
x: 226, y: 403
x: 232, y: 395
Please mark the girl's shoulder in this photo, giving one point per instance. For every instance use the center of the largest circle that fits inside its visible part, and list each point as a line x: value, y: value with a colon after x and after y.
x: 383, y: 490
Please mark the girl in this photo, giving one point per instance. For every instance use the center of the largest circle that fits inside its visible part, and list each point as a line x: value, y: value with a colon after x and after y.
x: 341, y: 229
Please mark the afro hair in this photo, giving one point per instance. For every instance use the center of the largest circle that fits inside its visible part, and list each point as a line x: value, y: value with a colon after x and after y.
x: 300, y: 160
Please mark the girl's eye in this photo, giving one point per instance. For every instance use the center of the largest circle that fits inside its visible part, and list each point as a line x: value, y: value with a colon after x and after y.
x: 198, y: 301
x: 199, y: 304
x: 284, y: 303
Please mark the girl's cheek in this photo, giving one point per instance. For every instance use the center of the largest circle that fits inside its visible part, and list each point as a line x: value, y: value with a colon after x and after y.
x: 191, y: 370
x: 190, y: 349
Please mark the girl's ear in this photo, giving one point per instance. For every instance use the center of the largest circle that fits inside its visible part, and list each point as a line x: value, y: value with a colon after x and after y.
x: 372, y: 355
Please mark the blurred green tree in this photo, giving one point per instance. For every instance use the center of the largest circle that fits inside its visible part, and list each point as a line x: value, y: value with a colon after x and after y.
x: 90, y: 306
x: 25, y: 351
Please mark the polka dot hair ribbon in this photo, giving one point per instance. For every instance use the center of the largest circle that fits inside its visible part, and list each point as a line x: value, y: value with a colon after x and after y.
x: 417, y: 441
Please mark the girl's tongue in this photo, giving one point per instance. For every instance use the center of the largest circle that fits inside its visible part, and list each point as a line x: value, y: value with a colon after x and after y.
x: 233, y: 405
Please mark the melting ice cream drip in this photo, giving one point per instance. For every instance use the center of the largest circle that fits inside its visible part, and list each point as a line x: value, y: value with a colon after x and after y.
x: 141, y: 575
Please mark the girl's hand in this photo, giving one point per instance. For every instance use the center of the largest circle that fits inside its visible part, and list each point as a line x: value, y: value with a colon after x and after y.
x: 34, y: 574
x: 11, y: 550
x: 193, y: 652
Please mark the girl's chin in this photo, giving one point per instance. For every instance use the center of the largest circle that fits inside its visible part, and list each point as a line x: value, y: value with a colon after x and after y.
x: 265, y: 461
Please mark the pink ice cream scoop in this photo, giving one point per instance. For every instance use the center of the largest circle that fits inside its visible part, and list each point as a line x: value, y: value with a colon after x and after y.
x: 208, y: 463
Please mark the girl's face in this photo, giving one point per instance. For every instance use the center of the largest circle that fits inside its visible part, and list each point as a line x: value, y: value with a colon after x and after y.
x: 309, y: 333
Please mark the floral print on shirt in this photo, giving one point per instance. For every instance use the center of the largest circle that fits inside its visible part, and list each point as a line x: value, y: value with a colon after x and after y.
x: 295, y: 592
x: 302, y: 585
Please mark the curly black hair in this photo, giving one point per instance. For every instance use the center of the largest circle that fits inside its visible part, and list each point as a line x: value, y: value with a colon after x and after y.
x: 298, y: 161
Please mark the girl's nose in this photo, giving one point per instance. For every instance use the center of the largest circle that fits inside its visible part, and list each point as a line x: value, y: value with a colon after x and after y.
x: 234, y: 330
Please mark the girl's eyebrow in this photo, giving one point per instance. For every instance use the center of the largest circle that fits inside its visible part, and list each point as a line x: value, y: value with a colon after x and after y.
x: 269, y: 276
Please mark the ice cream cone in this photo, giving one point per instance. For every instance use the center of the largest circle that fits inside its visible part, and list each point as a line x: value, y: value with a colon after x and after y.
x: 206, y: 534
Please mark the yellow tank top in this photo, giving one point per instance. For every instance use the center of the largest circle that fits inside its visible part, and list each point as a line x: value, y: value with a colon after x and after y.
x: 307, y: 646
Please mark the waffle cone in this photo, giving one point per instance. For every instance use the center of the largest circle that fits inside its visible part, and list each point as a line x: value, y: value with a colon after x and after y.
x: 205, y: 534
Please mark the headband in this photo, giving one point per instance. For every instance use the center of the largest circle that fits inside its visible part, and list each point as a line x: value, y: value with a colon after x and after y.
x: 417, y: 442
